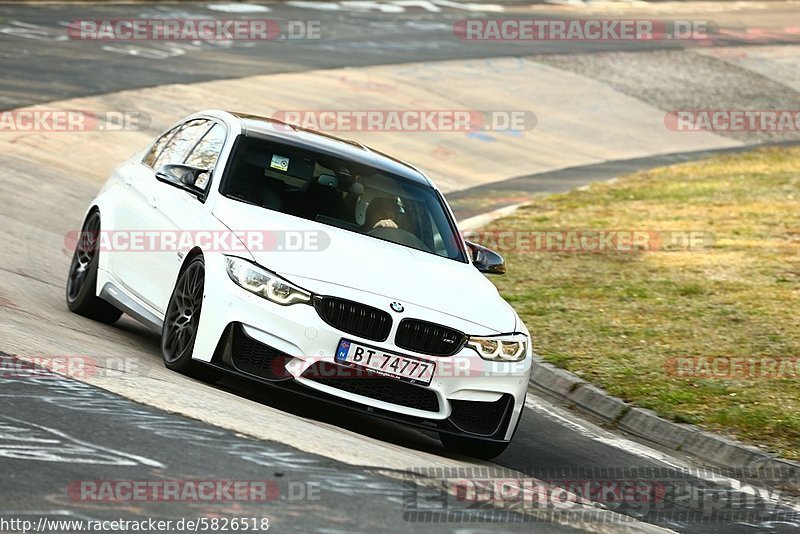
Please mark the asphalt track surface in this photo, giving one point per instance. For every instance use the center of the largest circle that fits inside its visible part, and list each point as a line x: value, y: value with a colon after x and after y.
x: 86, y: 434
x: 43, y: 64
x: 56, y: 430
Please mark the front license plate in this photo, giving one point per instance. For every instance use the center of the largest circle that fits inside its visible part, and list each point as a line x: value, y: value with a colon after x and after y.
x: 385, y: 363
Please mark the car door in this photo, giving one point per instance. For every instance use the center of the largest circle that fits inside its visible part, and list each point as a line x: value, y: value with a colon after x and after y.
x: 130, y: 215
x: 187, y: 213
x: 146, y: 226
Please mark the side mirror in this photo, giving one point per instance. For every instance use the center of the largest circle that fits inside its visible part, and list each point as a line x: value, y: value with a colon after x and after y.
x: 186, y: 177
x: 486, y: 260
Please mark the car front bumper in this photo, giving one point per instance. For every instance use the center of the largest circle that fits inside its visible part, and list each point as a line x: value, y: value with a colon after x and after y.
x: 293, y: 348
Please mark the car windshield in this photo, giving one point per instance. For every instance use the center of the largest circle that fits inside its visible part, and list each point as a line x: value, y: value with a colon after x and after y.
x: 340, y: 193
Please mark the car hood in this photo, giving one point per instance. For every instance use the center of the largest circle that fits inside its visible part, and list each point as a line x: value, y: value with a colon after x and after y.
x: 362, y: 263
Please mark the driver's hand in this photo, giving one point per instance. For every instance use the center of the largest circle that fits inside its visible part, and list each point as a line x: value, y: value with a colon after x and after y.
x: 385, y: 223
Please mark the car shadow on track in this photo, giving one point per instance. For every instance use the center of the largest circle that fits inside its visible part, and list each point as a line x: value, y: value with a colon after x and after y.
x: 298, y: 405
x: 324, y: 413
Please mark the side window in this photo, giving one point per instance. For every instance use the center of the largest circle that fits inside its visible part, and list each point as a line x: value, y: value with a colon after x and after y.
x: 206, y: 152
x: 158, y: 146
x: 181, y: 142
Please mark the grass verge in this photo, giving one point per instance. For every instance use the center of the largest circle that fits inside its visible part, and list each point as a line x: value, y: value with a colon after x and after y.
x: 701, y: 334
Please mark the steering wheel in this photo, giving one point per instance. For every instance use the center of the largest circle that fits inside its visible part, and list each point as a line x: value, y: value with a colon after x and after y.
x: 399, y: 236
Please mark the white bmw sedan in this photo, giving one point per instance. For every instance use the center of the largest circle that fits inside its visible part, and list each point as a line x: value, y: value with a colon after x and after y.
x: 308, y: 263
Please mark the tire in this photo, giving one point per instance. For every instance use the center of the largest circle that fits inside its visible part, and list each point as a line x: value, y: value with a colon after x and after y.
x: 475, y: 448
x: 81, y: 290
x: 181, y: 321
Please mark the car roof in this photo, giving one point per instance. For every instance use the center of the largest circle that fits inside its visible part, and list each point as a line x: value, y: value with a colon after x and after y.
x: 276, y: 130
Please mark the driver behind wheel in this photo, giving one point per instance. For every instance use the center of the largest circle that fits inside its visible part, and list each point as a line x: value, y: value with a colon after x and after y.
x: 383, y: 212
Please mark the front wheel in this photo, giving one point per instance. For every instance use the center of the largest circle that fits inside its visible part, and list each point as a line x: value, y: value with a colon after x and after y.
x: 475, y: 448
x: 81, y: 290
x: 181, y: 322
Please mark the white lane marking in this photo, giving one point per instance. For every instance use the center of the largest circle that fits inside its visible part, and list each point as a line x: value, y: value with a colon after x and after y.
x: 493, y: 8
x: 239, y: 8
x: 479, y: 221
x: 672, y: 8
x: 567, y: 419
x: 33, y: 31
x: 319, y: 6
x: 596, y: 433
x: 395, y: 6
x: 91, y: 446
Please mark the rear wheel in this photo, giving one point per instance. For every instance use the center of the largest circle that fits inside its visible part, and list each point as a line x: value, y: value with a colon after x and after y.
x: 181, y: 321
x: 476, y: 448
x: 81, y: 290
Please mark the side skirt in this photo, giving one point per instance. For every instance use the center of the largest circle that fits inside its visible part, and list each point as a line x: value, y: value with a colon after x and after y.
x: 122, y: 301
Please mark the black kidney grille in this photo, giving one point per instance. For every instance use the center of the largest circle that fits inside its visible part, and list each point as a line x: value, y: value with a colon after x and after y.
x: 354, y: 318
x: 428, y: 338
x: 374, y: 386
x: 482, y: 418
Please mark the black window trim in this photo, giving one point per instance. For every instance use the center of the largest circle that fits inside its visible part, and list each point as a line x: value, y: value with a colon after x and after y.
x: 465, y: 256
x: 212, y: 121
x: 152, y: 145
x: 175, y: 129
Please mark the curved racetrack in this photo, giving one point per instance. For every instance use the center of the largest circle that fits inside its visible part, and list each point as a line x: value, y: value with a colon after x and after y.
x: 237, y: 430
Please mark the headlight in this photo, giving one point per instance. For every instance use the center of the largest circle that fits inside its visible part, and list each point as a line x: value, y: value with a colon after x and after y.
x: 264, y: 283
x: 504, y: 348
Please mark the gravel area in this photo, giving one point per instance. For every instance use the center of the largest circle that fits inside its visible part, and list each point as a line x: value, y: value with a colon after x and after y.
x: 684, y: 80
x: 780, y: 63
